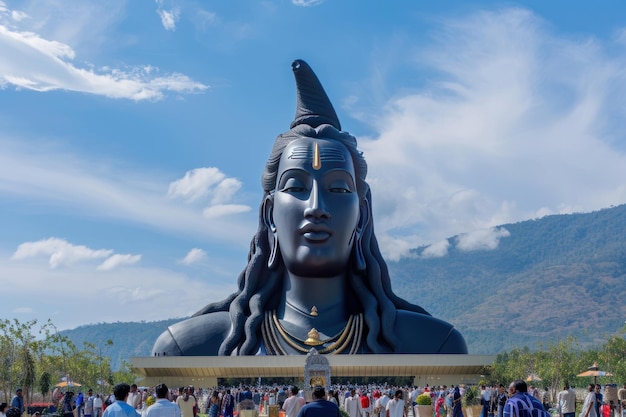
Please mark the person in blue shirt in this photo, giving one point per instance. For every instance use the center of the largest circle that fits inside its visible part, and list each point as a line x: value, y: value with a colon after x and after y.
x: 18, y: 400
x: 120, y: 408
x: 521, y: 403
x: 320, y: 406
x: 80, y: 404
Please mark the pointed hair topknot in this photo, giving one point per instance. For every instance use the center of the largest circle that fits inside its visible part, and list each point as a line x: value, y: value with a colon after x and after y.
x: 313, y: 107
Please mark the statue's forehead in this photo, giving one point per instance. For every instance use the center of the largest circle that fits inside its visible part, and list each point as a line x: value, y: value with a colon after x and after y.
x: 316, y: 153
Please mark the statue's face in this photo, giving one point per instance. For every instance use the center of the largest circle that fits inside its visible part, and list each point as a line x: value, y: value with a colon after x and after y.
x: 316, y: 207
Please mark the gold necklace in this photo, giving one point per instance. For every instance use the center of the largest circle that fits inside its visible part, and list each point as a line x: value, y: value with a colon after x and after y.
x: 350, y: 335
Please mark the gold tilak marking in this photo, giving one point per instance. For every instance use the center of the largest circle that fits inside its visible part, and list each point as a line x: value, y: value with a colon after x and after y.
x: 317, y: 160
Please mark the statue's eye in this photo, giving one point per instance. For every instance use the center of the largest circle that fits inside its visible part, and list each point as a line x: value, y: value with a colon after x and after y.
x: 339, y: 186
x: 293, y: 185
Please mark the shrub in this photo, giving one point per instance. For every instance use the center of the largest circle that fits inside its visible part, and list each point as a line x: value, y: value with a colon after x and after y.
x: 424, y: 399
x: 472, y: 396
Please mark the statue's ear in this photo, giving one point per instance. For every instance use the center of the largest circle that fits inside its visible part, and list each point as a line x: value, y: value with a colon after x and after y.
x: 365, y: 215
x: 357, y: 247
x: 268, y: 219
x: 268, y: 213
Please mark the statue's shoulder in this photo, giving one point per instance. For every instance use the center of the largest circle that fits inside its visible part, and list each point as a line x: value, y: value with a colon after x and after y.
x: 421, y: 333
x: 195, y: 336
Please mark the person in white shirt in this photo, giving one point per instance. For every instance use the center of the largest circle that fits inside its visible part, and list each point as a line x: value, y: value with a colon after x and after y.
x: 485, y: 400
x: 293, y: 403
x: 97, y: 406
x: 134, y: 397
x: 395, y: 407
x: 352, y: 404
x: 567, y: 402
x: 163, y: 407
x: 88, y: 412
x: 380, y: 406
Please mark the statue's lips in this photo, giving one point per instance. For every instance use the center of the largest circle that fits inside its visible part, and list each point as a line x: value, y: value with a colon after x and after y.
x: 315, y: 232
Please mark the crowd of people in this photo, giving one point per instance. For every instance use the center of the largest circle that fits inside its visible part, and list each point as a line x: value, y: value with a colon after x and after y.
x: 516, y: 400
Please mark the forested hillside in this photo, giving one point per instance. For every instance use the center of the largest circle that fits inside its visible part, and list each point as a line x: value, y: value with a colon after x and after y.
x: 558, y: 276
x: 551, y: 278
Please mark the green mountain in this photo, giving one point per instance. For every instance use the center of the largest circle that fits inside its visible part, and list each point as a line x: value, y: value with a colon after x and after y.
x: 558, y: 276
x: 547, y: 279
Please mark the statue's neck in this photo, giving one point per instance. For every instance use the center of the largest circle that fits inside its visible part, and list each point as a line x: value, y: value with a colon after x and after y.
x: 327, y: 295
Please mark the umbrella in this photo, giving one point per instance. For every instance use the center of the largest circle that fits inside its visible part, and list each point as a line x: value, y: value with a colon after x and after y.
x: 595, y: 372
x: 532, y: 377
x: 64, y: 384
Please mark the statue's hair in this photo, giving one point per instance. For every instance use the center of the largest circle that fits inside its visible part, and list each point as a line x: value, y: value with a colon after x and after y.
x: 260, y: 288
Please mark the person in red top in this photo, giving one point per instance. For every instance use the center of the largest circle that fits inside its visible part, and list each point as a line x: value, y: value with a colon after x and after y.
x: 366, y: 407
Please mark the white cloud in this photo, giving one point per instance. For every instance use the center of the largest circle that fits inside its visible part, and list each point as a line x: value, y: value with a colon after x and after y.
x: 18, y: 15
x: 485, y: 239
x: 436, y: 250
x: 225, y: 190
x: 86, y: 25
x: 221, y: 210
x: 196, y: 184
x: 118, y: 260
x: 514, y: 121
x: 78, y: 184
x: 169, y: 18
x: 140, y: 293
x: 59, y: 251
x: 194, y: 256
x: 42, y: 65
x: 307, y: 3
x: 210, y: 182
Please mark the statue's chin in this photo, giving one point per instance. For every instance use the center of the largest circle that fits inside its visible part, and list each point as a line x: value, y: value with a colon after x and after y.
x: 316, y: 268
x: 317, y: 262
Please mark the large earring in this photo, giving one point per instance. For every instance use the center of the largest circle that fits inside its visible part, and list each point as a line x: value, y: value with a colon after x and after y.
x: 357, y: 253
x: 268, y: 206
x: 272, y: 260
x: 357, y: 238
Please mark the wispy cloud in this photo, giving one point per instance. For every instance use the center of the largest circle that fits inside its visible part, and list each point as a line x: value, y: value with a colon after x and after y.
x: 307, y: 3
x: 196, y: 184
x: 212, y: 184
x: 515, y: 122
x: 18, y: 16
x: 221, y: 210
x: 436, y: 250
x: 104, y: 189
x: 117, y: 260
x: 485, y: 239
x: 62, y: 253
x: 59, y: 251
x: 169, y: 18
x: 103, y: 295
x: 194, y: 256
x: 42, y: 64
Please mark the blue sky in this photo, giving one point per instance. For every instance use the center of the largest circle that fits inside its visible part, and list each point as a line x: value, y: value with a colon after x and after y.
x: 133, y: 133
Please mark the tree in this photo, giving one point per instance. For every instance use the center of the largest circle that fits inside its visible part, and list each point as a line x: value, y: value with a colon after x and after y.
x: 509, y: 366
x: 45, y: 383
x: 18, y: 348
x: 554, y: 364
x: 614, y: 355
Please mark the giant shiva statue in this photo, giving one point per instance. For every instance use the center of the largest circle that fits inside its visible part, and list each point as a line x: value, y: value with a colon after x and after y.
x: 315, y: 276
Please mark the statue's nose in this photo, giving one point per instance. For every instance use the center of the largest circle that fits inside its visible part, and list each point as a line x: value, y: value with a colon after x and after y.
x: 316, y: 208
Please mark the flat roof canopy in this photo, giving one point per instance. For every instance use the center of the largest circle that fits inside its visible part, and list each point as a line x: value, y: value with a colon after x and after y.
x: 293, y: 365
